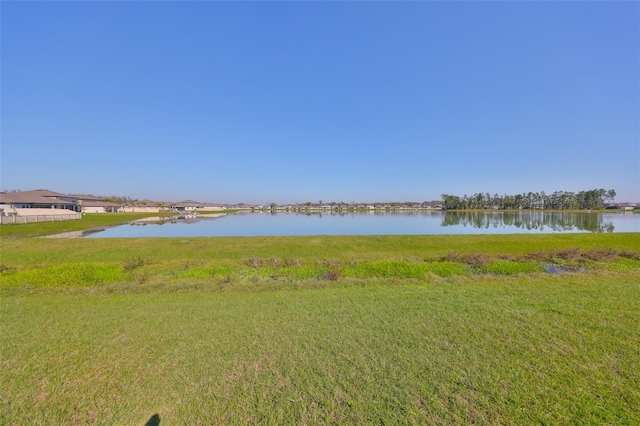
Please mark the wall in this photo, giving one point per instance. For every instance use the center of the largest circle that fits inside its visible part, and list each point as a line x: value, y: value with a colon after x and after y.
x: 141, y: 210
x: 39, y: 218
x: 93, y: 210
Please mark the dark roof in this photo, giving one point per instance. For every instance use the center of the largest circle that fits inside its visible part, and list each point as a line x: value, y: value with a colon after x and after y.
x: 45, y: 193
x: 86, y: 197
x: 38, y: 196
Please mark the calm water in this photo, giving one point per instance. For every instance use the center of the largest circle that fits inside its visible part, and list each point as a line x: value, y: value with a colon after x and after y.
x: 410, y: 223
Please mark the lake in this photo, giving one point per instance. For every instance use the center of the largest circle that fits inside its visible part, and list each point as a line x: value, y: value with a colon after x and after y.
x: 374, y: 223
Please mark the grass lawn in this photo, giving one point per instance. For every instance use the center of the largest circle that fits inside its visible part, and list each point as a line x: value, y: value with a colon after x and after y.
x: 318, y: 330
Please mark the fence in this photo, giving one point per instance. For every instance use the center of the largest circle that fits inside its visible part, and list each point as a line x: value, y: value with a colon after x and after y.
x: 38, y: 218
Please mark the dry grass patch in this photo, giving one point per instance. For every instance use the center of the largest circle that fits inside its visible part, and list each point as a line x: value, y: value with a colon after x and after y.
x: 472, y: 259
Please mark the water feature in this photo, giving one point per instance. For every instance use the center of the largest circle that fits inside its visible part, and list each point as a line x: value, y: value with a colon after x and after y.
x: 376, y: 223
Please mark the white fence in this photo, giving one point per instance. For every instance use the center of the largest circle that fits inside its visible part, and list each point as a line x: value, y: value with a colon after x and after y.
x: 38, y: 218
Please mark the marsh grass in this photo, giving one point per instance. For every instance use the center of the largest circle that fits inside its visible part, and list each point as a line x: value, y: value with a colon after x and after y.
x: 315, y: 249
x: 134, y: 264
x: 60, y: 264
x: 63, y: 275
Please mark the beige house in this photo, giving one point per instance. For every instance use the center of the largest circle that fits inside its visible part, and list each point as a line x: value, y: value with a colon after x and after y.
x: 37, y: 199
x: 92, y: 204
x: 40, y: 205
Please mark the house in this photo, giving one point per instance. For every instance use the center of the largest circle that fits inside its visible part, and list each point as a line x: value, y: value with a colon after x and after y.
x: 38, y: 199
x: 39, y: 205
x: 187, y: 206
x: 147, y: 206
x: 92, y: 204
x: 621, y: 206
x: 212, y: 206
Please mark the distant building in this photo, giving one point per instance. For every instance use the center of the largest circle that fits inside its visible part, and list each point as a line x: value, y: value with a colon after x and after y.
x: 37, y: 199
x: 92, y: 204
x: 622, y: 206
x: 211, y: 206
x: 39, y: 205
x: 187, y: 206
x: 12, y: 202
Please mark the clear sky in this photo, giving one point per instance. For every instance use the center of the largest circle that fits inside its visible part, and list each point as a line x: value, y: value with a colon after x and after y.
x: 286, y: 102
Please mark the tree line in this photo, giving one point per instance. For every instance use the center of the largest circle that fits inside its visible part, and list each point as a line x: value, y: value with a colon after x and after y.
x: 559, y: 200
x: 118, y: 199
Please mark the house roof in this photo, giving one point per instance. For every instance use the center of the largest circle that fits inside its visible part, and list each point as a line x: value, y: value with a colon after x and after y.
x: 44, y: 193
x: 188, y: 203
x: 38, y: 196
x: 85, y: 197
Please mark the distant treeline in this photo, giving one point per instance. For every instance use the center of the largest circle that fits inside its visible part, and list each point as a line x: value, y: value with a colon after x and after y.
x: 118, y: 199
x: 559, y: 200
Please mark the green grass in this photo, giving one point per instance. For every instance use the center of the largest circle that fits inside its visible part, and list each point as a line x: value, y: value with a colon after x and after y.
x: 321, y: 330
x: 88, y: 221
x: 32, y: 264
x: 422, y: 247
x: 490, y: 350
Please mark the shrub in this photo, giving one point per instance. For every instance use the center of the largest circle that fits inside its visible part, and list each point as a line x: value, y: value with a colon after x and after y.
x: 332, y: 275
x: 135, y: 263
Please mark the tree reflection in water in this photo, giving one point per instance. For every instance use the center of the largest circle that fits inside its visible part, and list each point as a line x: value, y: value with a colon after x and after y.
x: 529, y: 220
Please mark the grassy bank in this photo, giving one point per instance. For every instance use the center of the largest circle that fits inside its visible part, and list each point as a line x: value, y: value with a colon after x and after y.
x: 37, y: 264
x: 319, y: 330
x: 88, y: 221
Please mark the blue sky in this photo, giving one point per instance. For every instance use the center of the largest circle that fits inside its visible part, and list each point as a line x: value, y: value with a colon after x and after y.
x: 284, y: 102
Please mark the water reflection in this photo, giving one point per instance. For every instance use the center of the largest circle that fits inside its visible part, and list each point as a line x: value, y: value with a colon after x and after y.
x: 530, y: 220
x: 185, y: 218
x: 347, y: 213
x: 377, y: 223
